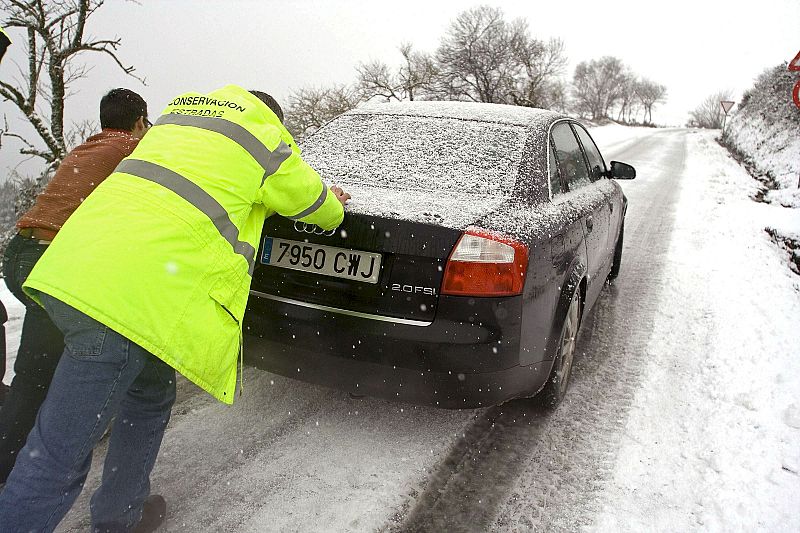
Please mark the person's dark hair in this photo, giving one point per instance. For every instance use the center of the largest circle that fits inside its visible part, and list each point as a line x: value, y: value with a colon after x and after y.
x: 271, y: 103
x: 121, y: 108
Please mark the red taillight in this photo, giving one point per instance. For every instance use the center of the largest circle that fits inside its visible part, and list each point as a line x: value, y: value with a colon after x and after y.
x: 485, y: 264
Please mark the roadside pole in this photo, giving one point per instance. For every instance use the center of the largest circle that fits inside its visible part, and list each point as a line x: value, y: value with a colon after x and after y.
x: 726, y: 106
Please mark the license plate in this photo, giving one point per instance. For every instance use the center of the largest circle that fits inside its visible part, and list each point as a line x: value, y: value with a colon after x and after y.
x: 319, y: 259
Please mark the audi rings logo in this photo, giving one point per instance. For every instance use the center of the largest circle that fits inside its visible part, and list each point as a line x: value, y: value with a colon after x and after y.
x: 313, y: 229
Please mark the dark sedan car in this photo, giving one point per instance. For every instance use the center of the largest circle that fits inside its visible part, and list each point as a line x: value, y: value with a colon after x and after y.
x: 477, y: 238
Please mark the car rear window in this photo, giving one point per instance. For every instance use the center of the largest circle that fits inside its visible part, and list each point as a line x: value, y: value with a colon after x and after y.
x: 418, y: 153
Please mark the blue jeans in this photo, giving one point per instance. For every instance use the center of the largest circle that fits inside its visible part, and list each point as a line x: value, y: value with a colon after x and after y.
x: 101, y: 375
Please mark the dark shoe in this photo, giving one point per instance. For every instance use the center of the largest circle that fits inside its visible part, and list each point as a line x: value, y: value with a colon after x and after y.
x: 153, y: 512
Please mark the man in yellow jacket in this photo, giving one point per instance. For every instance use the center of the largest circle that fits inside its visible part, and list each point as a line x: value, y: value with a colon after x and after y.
x: 150, y: 275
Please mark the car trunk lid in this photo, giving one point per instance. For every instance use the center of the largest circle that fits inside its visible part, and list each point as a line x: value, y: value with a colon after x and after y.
x: 386, y: 260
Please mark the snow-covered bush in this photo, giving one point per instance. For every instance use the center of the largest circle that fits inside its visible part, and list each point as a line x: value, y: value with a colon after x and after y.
x: 766, y: 133
x: 17, y: 195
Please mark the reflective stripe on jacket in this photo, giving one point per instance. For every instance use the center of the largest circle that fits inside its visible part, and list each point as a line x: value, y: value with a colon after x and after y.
x: 163, y: 250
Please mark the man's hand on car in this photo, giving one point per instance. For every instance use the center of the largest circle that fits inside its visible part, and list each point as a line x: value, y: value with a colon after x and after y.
x: 340, y: 194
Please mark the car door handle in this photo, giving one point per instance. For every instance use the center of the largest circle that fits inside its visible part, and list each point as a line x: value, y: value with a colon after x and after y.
x: 589, y: 223
x: 557, y: 249
x: 557, y: 245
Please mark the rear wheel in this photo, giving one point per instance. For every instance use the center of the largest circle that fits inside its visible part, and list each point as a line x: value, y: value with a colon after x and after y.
x: 617, y: 255
x: 556, y: 386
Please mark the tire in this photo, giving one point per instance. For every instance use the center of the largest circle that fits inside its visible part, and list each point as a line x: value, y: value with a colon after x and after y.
x: 558, y: 381
x: 617, y: 254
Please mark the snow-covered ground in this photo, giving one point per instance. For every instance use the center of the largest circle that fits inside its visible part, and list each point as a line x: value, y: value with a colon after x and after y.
x: 713, y: 440
x: 701, y: 432
x: 16, y: 312
x: 613, y: 138
x: 774, y: 149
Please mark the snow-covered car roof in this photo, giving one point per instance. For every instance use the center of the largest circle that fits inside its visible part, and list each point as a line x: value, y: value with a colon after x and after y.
x: 501, y: 113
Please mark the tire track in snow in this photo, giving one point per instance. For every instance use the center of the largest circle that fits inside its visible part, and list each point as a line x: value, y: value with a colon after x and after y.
x: 288, y: 457
x: 519, y: 467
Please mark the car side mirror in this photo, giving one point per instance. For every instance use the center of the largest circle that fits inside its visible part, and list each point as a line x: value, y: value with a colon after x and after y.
x: 622, y: 171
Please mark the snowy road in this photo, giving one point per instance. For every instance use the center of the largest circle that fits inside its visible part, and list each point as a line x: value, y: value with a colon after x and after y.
x: 673, y: 421
x: 534, y: 469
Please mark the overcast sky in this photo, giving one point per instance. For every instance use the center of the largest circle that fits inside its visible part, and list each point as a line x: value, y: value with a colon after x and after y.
x: 692, y: 47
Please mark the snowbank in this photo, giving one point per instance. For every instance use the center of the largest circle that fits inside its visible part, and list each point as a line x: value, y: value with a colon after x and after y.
x: 16, y: 313
x: 766, y: 133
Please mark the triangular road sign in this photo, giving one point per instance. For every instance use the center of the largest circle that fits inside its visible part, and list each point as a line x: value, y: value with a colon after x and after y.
x: 795, y: 63
x: 727, y: 105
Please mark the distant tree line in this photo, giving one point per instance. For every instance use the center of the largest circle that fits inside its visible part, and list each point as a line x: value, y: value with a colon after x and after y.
x: 601, y: 87
x: 8, y: 198
x: 13, y: 192
x: 482, y: 57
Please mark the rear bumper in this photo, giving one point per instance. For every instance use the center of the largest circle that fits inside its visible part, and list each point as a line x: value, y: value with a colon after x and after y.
x: 455, y: 362
x: 451, y: 390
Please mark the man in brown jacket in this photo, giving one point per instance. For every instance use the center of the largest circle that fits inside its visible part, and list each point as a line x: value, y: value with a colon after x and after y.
x: 123, y: 118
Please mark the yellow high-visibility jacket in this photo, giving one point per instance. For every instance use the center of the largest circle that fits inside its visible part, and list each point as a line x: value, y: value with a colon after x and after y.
x: 163, y: 250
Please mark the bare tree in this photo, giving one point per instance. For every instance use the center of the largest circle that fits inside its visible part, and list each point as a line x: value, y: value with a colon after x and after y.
x: 415, y: 78
x: 541, y: 66
x: 376, y: 79
x: 709, y: 113
x: 555, y: 96
x: 476, y: 56
x: 484, y: 58
x: 310, y: 108
x: 597, y: 86
x: 627, y: 100
x: 650, y: 93
x: 55, y: 36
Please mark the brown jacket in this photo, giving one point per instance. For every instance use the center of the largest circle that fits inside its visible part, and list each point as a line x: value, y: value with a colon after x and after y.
x: 79, y: 173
